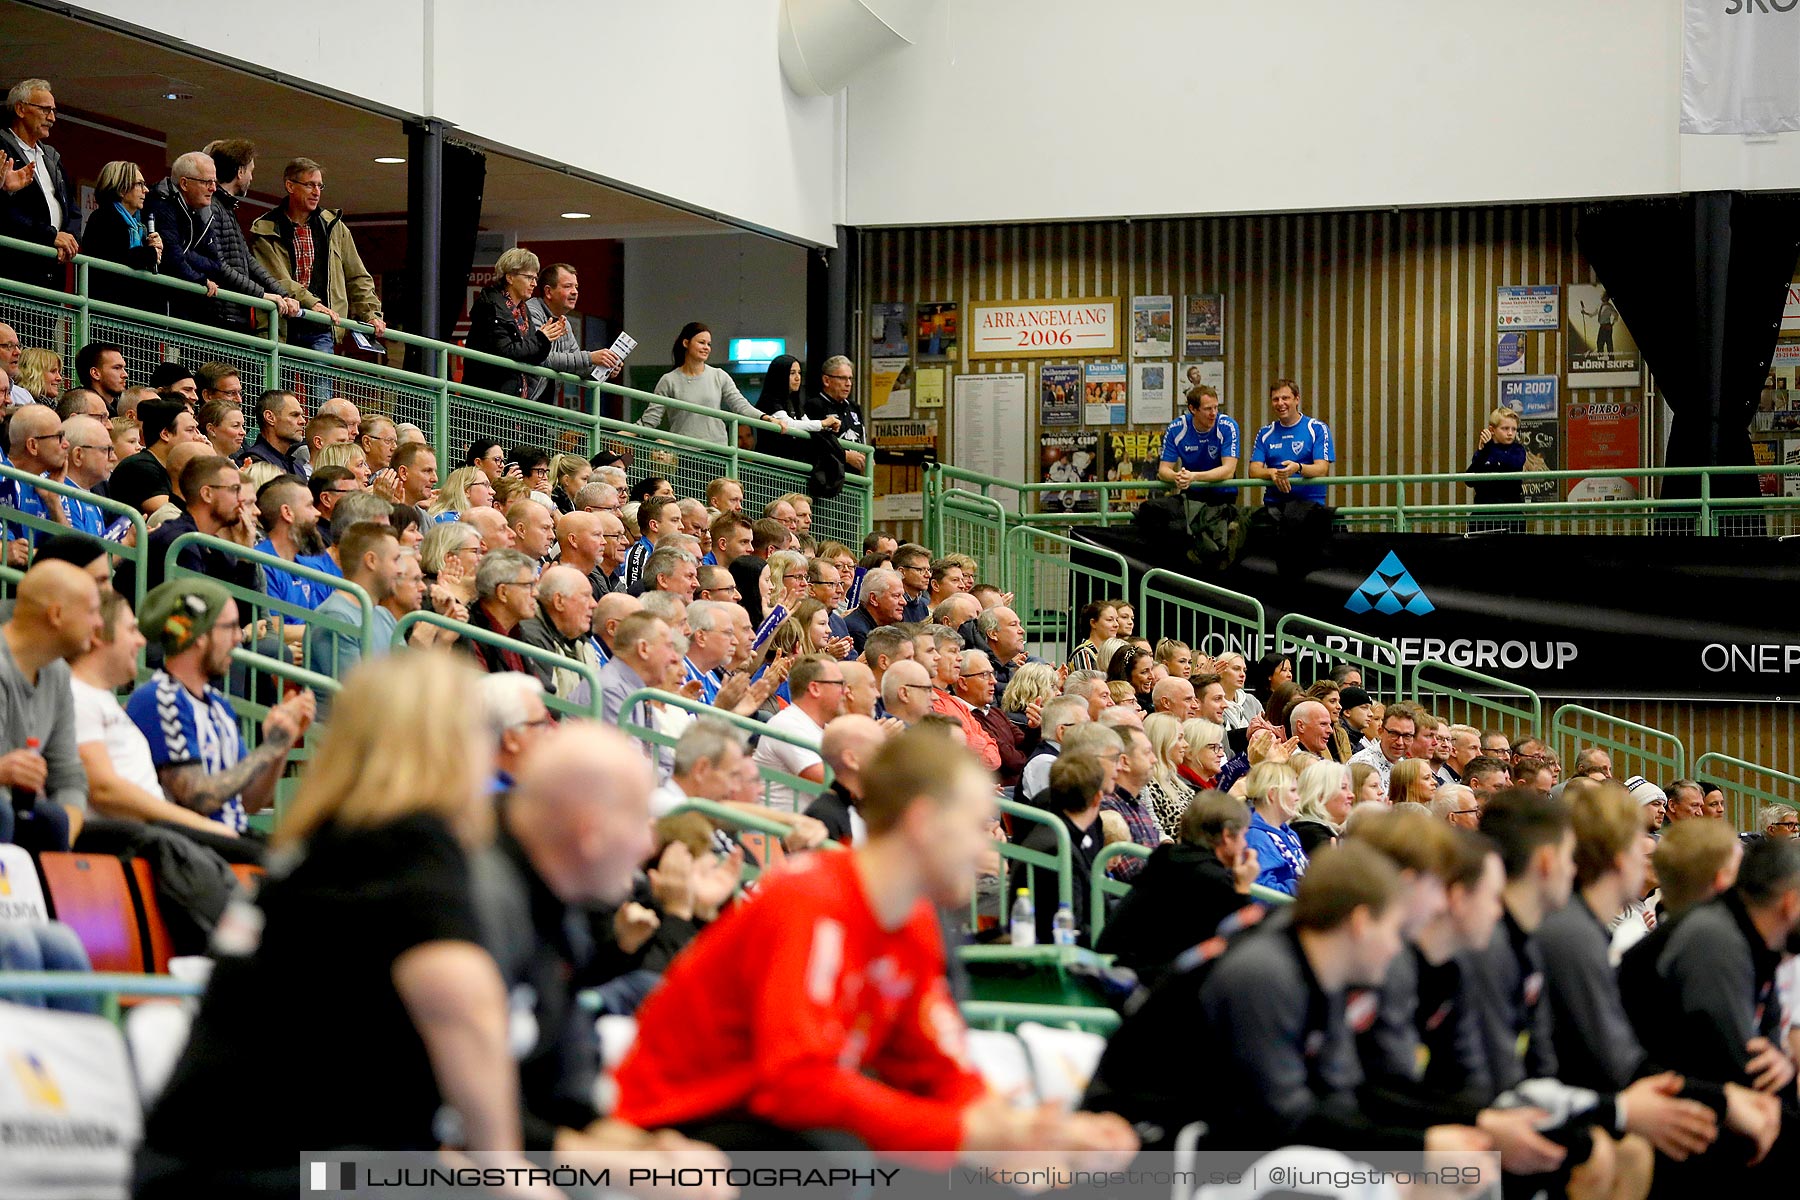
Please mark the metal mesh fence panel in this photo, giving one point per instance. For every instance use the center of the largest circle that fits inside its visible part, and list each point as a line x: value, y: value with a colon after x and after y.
x: 373, y: 394
x: 148, y: 346
x: 44, y: 325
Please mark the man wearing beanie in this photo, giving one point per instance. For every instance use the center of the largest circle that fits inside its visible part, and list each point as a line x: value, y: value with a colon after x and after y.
x: 1358, y: 717
x: 1652, y: 799
x: 199, y: 754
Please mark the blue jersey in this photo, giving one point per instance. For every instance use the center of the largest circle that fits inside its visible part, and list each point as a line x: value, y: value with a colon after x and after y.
x: 709, y: 683
x: 86, y: 517
x: 280, y: 585
x: 1306, y: 441
x: 183, y: 728
x: 1187, y: 447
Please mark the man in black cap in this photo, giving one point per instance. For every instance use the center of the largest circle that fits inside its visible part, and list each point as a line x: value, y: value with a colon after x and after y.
x: 1358, y: 717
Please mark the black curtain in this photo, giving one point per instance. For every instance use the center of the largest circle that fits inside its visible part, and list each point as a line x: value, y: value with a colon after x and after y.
x: 1700, y: 282
x: 465, y: 177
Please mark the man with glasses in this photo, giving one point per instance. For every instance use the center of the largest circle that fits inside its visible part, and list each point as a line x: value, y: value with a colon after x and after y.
x: 11, y: 351
x: 716, y: 583
x: 1778, y: 822
x: 837, y: 377
x: 506, y: 592
x: 825, y: 583
x: 35, y: 204
x: 1399, y: 726
x: 1495, y: 744
x: 816, y: 684
x: 378, y: 442
x: 37, y: 445
x: 913, y: 562
x: 90, y: 463
x: 328, y: 486
x: 183, y: 211
x: 310, y: 252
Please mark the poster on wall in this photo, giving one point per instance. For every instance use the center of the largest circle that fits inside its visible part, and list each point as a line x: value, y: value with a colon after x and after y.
x: 928, y: 388
x: 1601, y: 352
x: 937, y: 331
x: 1103, y: 397
x: 1790, y: 309
x: 1152, y: 326
x: 1132, y: 454
x: 1605, y: 438
x: 1059, y: 394
x: 887, y: 330
x: 989, y: 421
x: 1533, y: 397
x: 1072, y: 457
x: 1016, y: 329
x: 1778, y: 407
x: 1212, y: 374
x: 1152, y: 393
x: 1203, y: 325
x: 1528, y: 307
x: 1510, y: 354
x: 890, y: 389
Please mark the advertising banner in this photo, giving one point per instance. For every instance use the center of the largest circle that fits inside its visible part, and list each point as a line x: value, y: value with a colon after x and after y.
x: 1041, y: 328
x: 1740, y: 67
x: 1528, y: 307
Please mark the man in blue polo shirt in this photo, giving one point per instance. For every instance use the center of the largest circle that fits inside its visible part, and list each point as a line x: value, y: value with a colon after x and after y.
x: 1292, y: 445
x: 1201, y: 448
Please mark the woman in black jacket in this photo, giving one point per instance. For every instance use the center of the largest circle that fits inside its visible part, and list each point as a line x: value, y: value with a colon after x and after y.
x: 116, y: 231
x: 499, y: 324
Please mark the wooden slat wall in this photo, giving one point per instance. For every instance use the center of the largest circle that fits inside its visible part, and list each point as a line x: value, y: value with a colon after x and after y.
x: 1385, y: 318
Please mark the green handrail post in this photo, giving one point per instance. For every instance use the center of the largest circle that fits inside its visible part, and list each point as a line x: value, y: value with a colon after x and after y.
x: 1022, y: 557
x: 1372, y: 666
x: 1706, y: 518
x: 1401, y: 524
x: 1672, y: 756
x: 81, y: 310
x: 1101, y: 885
x: 1531, y: 712
x: 1058, y: 862
x: 138, y: 552
x: 1709, y: 769
x: 1268, y: 895
x: 1254, y: 622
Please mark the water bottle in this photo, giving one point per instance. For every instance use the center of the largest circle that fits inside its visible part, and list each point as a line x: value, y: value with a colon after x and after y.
x: 1063, y: 926
x: 24, y: 800
x: 1024, y: 920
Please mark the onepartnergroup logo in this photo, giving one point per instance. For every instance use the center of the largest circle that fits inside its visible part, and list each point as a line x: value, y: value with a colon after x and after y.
x: 1389, y: 589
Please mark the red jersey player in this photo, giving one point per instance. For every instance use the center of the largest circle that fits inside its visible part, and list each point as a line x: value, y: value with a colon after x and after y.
x: 821, y: 1004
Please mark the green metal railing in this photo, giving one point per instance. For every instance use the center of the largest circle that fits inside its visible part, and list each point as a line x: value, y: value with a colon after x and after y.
x: 1635, y: 749
x: 972, y: 524
x: 1377, y: 658
x: 1102, y: 885
x: 562, y: 706
x: 1707, y: 515
x: 1747, y: 786
x: 771, y: 776
x: 137, y: 553
x: 1006, y: 1015
x: 1480, y: 700
x: 109, y: 986
x: 452, y: 413
x: 1049, y: 588
x: 1226, y: 620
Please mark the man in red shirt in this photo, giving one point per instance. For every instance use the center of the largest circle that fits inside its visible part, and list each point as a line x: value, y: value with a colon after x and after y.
x: 821, y: 1004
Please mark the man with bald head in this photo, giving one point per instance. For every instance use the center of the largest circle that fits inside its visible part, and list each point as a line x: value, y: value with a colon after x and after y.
x: 533, y: 527
x: 564, y: 625
x: 1174, y: 696
x: 1311, y: 723
x: 611, y: 609
x: 861, y: 691
x: 906, y: 692
x: 849, y: 744
x: 571, y: 834
x: 579, y: 545
x: 90, y: 458
x: 491, y: 524
x: 55, y: 620
x: 35, y: 443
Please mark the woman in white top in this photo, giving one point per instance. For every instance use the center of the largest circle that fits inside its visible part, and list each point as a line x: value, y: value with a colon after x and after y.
x: 693, y: 382
x: 1241, y: 707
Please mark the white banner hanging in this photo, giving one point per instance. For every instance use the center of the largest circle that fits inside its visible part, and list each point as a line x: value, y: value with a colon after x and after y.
x: 1741, y: 66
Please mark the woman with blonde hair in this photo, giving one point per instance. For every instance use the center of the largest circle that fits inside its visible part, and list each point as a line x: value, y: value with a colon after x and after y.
x: 1411, y: 779
x: 450, y: 556
x: 1241, y: 707
x: 1325, y: 800
x: 1363, y: 790
x: 500, y: 324
x: 1206, y: 753
x: 1032, y: 683
x: 348, y: 455
x: 41, y: 374
x: 787, y: 578
x: 806, y: 630
x: 372, y: 875
x: 1273, y: 790
x: 463, y: 489
x: 1167, y: 793
x: 569, y: 473
x: 1121, y: 692
x: 118, y: 232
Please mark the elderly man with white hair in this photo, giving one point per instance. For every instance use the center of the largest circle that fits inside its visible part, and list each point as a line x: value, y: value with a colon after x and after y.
x: 883, y: 603
x: 564, y: 625
x: 1310, y: 721
x: 906, y: 692
x: 1456, y: 804
x: 181, y: 207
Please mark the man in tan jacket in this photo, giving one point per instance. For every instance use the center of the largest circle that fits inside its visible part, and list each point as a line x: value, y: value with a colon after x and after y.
x: 311, y: 252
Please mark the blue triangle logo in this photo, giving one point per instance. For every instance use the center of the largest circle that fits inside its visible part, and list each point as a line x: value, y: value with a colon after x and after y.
x: 1390, y: 588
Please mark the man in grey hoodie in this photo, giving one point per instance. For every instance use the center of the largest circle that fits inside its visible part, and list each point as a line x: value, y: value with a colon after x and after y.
x: 561, y: 289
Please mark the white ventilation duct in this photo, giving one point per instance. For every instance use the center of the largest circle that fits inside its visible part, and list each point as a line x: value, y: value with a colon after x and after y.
x: 825, y: 42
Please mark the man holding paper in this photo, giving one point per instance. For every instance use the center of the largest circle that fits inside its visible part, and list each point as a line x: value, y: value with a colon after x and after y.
x: 561, y: 290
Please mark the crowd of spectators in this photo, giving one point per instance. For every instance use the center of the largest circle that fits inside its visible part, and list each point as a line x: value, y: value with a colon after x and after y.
x: 1588, y: 975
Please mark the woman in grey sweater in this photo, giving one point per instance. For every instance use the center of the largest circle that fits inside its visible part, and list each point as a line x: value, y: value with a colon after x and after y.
x: 696, y: 383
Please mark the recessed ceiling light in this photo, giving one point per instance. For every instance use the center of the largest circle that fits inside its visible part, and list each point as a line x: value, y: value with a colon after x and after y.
x: 389, y: 159
x: 577, y: 216
x: 177, y: 96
